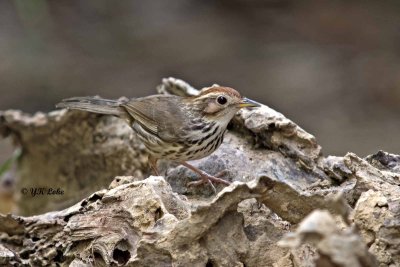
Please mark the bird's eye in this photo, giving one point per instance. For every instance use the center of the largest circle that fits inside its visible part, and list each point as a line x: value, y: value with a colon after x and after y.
x: 222, y: 100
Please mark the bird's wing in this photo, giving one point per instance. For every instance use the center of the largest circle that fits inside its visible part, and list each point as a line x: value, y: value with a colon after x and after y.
x: 159, y: 115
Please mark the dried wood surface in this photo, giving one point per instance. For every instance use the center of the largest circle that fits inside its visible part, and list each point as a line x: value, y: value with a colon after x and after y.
x: 288, y: 205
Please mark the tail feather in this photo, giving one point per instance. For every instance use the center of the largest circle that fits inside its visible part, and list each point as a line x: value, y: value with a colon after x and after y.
x: 92, y: 104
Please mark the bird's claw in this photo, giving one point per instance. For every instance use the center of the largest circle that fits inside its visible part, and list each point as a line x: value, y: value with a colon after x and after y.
x: 209, y: 179
x: 222, y: 173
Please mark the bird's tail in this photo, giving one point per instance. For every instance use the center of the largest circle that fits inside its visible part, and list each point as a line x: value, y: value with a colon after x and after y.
x: 93, y: 104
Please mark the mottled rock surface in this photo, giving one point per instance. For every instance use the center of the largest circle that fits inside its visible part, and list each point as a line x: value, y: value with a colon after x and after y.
x: 288, y: 205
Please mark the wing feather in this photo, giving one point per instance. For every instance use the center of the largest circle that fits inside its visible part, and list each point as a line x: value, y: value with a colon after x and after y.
x: 158, y: 114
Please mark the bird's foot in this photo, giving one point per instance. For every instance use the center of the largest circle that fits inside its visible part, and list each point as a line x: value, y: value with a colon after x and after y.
x: 205, y: 177
x: 209, y: 179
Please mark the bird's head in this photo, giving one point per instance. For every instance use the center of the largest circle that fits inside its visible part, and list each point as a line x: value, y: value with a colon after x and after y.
x: 220, y: 103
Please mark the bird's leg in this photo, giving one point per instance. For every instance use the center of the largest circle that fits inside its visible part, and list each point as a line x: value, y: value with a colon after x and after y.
x: 153, y: 165
x: 205, y: 177
x: 222, y: 173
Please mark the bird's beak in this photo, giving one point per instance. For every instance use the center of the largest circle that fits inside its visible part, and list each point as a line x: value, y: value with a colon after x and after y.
x: 248, y: 103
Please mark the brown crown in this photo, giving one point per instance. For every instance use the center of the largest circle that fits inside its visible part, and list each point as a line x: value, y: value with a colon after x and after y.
x: 221, y: 89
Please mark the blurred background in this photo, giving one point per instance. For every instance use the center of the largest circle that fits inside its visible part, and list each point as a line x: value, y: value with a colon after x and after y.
x: 333, y: 67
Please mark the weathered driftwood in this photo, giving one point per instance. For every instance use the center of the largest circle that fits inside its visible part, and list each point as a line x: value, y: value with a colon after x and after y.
x: 279, y: 175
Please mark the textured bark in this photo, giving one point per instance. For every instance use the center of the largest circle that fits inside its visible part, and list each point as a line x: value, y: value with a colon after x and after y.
x: 75, y: 151
x: 288, y: 205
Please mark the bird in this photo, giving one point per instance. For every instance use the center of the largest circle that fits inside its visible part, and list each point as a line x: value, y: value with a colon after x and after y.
x: 171, y: 127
